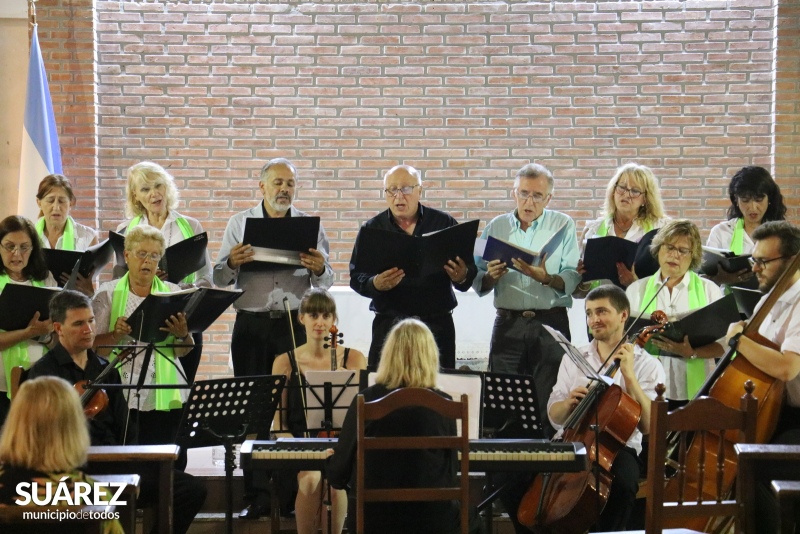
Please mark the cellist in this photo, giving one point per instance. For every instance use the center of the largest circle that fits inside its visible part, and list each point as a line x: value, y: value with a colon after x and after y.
x: 607, y: 310
x: 776, y: 245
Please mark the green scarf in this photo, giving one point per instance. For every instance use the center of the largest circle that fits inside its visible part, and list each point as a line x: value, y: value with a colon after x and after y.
x: 166, y: 373
x: 18, y: 354
x: 67, y: 240
x: 737, y: 239
x: 186, y: 231
x: 695, y: 369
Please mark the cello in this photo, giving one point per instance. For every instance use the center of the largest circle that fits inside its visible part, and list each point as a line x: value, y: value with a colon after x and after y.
x: 725, y: 385
x: 604, y: 420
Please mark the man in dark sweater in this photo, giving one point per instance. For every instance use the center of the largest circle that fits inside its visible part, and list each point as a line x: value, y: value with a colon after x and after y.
x: 395, y: 296
x: 73, y: 360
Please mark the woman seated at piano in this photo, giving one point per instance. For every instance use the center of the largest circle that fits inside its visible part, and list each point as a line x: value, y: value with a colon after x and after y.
x: 678, y: 249
x: 633, y: 207
x: 410, y: 358
x: 21, y: 262
x: 317, y: 314
x: 46, y: 440
x: 57, y: 229
x: 158, y: 411
x: 755, y: 199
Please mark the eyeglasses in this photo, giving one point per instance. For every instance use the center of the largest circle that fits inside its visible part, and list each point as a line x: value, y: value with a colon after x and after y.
x: 749, y: 199
x: 22, y: 249
x: 763, y: 263
x: 394, y: 191
x: 634, y: 193
x: 152, y: 256
x: 680, y: 251
x: 535, y: 197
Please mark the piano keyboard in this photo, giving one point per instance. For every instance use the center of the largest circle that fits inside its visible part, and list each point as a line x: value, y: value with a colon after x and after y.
x: 492, y: 455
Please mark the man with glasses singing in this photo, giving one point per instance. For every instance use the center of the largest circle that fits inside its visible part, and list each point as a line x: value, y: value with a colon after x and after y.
x: 530, y: 296
x: 395, y: 296
x: 777, y: 243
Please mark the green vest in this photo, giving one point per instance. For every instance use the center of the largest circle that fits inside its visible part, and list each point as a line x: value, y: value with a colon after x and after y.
x: 18, y: 354
x: 166, y: 373
x: 186, y: 231
x: 67, y: 240
x: 695, y: 369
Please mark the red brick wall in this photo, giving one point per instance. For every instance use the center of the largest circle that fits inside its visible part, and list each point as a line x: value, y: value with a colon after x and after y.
x: 467, y: 92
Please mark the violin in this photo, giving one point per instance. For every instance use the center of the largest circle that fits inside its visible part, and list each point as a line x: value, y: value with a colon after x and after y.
x: 642, y: 337
x: 95, y: 400
x: 334, y: 339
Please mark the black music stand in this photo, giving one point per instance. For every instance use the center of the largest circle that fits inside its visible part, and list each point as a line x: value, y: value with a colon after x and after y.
x: 510, y: 410
x: 223, y: 412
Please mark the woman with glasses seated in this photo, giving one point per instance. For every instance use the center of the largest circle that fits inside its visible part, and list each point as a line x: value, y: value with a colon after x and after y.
x: 633, y: 207
x: 22, y: 263
x: 755, y: 199
x: 158, y: 411
x: 677, y: 247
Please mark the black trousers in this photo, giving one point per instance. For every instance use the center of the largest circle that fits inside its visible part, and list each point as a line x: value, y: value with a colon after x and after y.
x: 441, y: 325
x: 257, y: 339
x: 188, y: 496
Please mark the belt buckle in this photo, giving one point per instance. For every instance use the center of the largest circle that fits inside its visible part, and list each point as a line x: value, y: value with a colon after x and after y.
x: 528, y: 314
x: 275, y: 314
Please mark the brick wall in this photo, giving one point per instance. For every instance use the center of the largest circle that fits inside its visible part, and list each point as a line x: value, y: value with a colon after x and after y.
x: 467, y: 92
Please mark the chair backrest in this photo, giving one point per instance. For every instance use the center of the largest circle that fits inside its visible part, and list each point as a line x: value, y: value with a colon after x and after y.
x: 18, y: 375
x: 405, y: 398
x: 702, y: 461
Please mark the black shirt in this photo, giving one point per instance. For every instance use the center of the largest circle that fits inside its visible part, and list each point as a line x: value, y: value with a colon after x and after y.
x: 108, y: 426
x: 429, y: 295
x: 394, y: 468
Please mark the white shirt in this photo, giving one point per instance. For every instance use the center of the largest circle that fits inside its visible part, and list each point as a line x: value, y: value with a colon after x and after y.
x: 172, y: 235
x: 647, y: 369
x: 83, y: 237
x: 129, y: 372
x: 35, y: 349
x: 722, y: 234
x: 782, y: 325
x: 676, y: 305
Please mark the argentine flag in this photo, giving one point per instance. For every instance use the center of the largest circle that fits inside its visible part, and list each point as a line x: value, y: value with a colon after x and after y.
x: 41, y: 154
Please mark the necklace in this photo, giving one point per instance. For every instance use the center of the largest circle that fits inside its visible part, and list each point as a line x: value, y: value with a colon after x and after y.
x: 620, y: 228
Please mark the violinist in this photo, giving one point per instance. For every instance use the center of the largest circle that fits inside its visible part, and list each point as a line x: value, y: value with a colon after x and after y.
x: 317, y: 314
x: 74, y: 360
x: 677, y: 247
x: 776, y: 245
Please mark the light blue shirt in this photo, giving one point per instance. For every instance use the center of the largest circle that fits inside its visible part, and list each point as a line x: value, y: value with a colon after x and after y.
x: 516, y: 291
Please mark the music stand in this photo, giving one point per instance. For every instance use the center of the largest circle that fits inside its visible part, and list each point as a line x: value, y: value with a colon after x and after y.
x: 223, y: 412
x: 510, y: 410
x: 331, y: 394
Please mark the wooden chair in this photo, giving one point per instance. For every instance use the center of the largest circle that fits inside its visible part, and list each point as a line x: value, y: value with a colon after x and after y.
x: 18, y: 375
x: 698, y: 478
x: 404, y: 398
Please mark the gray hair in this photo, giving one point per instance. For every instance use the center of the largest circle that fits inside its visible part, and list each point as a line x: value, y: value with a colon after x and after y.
x: 276, y: 161
x: 408, y: 168
x: 535, y: 170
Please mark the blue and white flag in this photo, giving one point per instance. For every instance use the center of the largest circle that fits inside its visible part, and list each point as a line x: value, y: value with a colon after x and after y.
x: 41, y: 154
